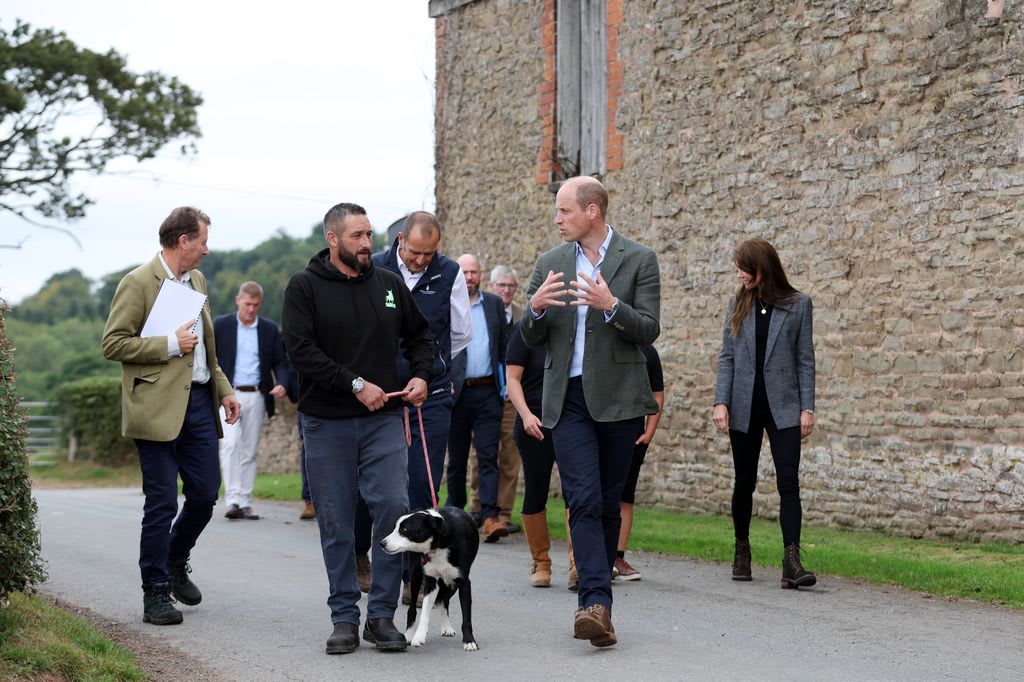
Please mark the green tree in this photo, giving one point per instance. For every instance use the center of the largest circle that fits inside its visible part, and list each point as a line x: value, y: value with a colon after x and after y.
x: 63, y: 296
x: 21, y: 564
x: 65, y: 109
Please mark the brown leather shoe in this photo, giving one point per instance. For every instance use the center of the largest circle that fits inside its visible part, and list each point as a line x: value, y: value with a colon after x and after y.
x: 494, y: 529
x: 233, y: 512
x: 595, y: 624
x: 249, y: 514
x: 307, y: 512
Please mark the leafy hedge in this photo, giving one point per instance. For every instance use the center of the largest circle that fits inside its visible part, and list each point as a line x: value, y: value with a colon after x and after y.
x: 21, y: 565
x: 92, y: 412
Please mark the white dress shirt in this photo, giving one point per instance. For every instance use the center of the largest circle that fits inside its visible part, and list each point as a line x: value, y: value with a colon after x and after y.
x: 200, y: 370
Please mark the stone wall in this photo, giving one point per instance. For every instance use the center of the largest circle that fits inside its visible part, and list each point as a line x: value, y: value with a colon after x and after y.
x: 279, y: 443
x: 877, y: 143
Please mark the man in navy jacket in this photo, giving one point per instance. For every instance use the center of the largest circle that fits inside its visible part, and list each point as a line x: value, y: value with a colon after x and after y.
x: 250, y: 351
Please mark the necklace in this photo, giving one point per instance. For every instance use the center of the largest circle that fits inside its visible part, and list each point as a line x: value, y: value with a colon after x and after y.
x: 762, y: 306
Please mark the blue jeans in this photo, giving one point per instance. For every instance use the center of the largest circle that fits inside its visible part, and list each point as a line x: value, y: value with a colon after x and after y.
x: 193, y: 455
x: 593, y: 460
x: 476, y: 415
x: 345, y: 457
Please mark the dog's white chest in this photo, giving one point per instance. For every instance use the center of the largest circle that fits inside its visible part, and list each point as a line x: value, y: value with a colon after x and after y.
x: 439, y: 568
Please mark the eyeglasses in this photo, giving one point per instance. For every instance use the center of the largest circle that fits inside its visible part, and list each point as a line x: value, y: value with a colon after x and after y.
x: 498, y: 285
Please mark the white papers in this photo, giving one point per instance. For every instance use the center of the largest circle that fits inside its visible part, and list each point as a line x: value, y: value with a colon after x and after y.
x: 175, y: 305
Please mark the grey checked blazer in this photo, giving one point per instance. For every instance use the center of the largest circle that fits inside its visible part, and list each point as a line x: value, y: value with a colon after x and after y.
x: 788, y: 365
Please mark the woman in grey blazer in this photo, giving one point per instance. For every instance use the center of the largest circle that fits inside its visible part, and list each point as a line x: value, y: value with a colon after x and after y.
x: 766, y: 383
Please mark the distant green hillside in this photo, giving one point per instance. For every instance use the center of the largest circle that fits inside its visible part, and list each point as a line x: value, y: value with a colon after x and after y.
x: 56, y: 331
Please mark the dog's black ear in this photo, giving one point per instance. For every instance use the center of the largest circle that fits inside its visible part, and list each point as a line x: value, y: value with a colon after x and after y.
x: 437, y: 523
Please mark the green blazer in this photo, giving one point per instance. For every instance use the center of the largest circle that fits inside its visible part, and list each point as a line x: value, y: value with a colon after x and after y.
x: 615, y: 382
x: 155, y: 388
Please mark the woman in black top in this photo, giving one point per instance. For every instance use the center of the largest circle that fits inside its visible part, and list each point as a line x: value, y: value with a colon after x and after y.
x: 524, y: 377
x: 766, y: 383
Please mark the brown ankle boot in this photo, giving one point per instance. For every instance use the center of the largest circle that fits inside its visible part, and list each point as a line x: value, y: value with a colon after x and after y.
x: 741, y: 562
x: 793, y: 573
x: 536, y: 528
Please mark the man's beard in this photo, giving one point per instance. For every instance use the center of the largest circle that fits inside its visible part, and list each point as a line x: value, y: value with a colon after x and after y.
x: 472, y: 290
x: 352, y: 260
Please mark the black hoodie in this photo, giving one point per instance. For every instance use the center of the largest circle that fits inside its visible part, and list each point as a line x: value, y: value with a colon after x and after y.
x: 337, y: 328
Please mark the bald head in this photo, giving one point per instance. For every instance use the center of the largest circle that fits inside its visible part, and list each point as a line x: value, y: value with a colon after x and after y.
x: 587, y: 190
x: 471, y: 271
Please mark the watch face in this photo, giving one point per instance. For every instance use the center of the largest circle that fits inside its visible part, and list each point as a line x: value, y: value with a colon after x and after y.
x: 357, y: 384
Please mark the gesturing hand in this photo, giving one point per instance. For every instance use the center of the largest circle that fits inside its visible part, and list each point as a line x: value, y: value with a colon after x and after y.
x: 592, y: 292
x: 549, y: 293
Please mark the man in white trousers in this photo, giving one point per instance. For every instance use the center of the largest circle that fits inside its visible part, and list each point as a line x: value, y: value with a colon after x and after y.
x: 251, y: 353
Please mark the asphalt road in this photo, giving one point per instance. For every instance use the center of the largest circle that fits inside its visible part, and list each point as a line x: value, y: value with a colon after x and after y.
x: 264, y: 613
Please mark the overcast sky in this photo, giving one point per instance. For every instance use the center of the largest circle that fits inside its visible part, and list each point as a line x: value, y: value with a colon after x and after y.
x: 306, y: 104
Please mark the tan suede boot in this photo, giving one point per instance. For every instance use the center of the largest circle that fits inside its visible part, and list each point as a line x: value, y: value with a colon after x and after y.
x: 536, y: 528
x: 574, y: 579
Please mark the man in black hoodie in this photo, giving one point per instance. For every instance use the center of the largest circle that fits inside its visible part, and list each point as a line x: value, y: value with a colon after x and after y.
x: 343, y: 320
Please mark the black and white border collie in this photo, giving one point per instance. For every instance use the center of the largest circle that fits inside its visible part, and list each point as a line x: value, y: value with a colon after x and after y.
x: 444, y: 542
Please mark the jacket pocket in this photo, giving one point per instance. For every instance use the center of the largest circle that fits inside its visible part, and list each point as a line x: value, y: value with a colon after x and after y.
x: 628, y: 354
x: 145, y: 375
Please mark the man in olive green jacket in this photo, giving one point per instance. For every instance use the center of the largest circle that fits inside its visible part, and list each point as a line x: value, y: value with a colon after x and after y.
x: 594, y: 301
x: 171, y: 386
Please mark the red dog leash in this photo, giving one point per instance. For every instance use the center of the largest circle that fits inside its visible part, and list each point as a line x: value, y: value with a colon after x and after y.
x: 423, y: 441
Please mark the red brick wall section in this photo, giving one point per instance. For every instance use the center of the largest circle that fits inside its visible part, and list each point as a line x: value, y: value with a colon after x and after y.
x: 547, y: 166
x: 613, y: 141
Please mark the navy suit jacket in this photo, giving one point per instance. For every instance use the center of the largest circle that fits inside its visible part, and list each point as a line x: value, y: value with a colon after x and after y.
x: 494, y: 313
x: 272, y: 357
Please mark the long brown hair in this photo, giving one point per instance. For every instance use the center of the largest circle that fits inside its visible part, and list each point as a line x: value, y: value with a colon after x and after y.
x: 759, y: 258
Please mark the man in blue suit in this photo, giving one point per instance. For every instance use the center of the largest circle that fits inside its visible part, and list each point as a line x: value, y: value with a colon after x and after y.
x: 478, y: 408
x: 251, y: 353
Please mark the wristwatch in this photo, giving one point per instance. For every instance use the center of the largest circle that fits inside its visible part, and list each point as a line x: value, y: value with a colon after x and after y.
x: 357, y: 384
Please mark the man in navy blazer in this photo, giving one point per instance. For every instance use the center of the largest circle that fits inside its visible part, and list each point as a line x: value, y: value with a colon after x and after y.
x: 478, y: 408
x: 250, y: 350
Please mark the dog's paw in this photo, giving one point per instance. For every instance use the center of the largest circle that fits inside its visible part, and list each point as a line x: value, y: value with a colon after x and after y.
x: 448, y: 632
x: 418, y: 641
x: 409, y: 633
x: 470, y: 646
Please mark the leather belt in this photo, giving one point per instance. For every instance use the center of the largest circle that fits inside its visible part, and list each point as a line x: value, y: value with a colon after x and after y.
x: 480, y: 381
x: 247, y: 389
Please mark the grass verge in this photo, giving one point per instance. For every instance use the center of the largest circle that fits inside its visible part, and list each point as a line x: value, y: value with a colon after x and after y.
x: 39, y: 640
x: 85, y: 474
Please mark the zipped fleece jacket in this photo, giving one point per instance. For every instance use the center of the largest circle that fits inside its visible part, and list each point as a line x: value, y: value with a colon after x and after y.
x: 337, y: 328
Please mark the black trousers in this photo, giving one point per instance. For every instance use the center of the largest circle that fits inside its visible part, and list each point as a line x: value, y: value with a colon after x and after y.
x: 538, y: 459
x: 746, y: 450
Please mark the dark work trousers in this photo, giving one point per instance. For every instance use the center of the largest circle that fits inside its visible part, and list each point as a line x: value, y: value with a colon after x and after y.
x: 593, y: 460
x: 538, y: 459
x: 306, y: 496
x: 476, y: 415
x: 194, y: 456
x: 437, y: 417
x: 746, y: 449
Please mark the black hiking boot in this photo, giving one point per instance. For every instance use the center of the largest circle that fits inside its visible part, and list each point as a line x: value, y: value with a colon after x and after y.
x: 793, y: 573
x: 158, y: 605
x: 182, y: 587
x: 741, y: 562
